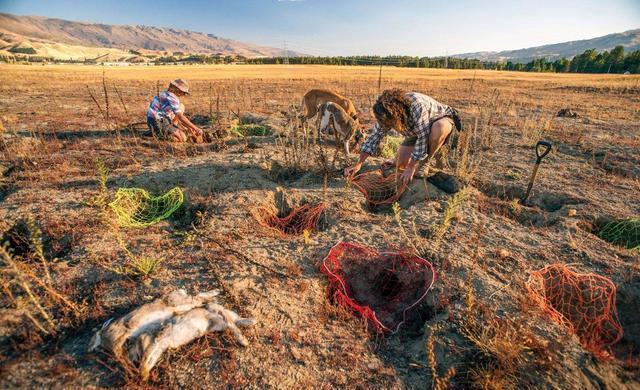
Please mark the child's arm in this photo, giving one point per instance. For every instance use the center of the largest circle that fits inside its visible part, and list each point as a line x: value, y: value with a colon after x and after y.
x: 183, y: 120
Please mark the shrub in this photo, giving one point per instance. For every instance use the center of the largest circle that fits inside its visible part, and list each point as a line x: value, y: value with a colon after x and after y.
x: 390, y: 146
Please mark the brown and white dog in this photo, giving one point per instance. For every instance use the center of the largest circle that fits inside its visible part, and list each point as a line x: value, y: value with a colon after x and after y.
x: 333, y: 116
x: 316, y: 97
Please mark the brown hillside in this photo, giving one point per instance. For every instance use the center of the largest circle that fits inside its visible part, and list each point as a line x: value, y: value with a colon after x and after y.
x: 127, y: 37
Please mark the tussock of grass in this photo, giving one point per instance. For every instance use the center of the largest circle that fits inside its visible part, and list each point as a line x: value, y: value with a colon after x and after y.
x: 142, y: 267
x: 389, y: 147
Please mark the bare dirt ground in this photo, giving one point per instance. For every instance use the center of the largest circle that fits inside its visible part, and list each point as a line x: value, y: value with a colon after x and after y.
x: 478, y: 320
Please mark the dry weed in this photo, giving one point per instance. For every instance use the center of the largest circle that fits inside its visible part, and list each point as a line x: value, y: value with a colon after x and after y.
x: 509, y: 343
x: 437, y: 382
x: 467, y: 155
x: 32, y: 292
x: 450, y: 212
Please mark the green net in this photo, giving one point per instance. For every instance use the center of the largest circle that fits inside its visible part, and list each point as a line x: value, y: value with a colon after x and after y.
x: 249, y: 130
x: 622, y: 232
x: 135, y: 207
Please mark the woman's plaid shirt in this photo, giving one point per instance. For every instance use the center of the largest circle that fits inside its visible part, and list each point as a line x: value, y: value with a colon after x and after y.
x: 424, y: 111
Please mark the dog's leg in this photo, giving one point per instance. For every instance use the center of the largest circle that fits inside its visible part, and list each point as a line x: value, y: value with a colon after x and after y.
x: 324, y: 119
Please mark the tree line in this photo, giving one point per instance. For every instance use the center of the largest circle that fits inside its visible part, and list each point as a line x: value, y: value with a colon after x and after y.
x: 590, y: 61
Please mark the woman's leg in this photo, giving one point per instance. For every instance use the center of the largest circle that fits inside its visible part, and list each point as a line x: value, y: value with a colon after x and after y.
x: 440, y: 130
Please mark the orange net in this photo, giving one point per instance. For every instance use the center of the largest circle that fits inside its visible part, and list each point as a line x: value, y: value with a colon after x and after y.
x: 584, y: 303
x: 379, y: 189
x: 301, y: 218
x: 381, y: 286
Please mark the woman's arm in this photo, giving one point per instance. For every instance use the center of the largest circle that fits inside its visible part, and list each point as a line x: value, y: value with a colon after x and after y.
x: 368, y: 148
x: 352, y: 170
x: 421, y: 149
x: 371, y: 144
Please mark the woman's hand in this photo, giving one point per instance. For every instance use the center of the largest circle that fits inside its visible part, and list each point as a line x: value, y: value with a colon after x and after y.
x: 408, y: 173
x: 351, y: 171
x: 388, y: 164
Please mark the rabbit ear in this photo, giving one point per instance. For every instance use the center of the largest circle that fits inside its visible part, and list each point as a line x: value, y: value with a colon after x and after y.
x: 245, y: 321
x: 96, y: 340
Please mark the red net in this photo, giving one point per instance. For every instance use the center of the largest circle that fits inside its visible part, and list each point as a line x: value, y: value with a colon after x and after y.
x: 301, y: 218
x: 382, y: 286
x: 379, y: 189
x: 584, y: 303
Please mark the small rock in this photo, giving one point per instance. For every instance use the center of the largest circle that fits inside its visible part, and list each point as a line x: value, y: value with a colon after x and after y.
x: 567, y: 113
x: 572, y: 212
x: 447, y: 183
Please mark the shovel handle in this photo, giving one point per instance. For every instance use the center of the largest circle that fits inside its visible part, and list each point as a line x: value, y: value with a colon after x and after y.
x: 542, y: 149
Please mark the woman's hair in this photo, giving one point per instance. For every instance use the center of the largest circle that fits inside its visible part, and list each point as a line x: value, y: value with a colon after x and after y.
x: 392, y: 109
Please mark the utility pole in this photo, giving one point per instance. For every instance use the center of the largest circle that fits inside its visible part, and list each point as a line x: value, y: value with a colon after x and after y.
x: 446, y: 60
x: 380, y: 77
x: 286, y: 54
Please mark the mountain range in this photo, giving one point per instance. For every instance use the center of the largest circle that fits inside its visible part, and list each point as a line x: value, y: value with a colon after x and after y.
x: 630, y: 40
x: 65, y: 39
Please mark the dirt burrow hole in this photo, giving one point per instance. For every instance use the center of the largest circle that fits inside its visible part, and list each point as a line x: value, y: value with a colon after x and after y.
x: 628, y: 306
x: 389, y: 293
x: 188, y: 215
x: 545, y: 201
x: 57, y: 241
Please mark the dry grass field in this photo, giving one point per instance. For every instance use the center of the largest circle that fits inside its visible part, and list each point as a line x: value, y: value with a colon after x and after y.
x: 62, y: 159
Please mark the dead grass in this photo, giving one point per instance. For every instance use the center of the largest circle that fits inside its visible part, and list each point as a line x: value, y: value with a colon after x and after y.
x: 509, y: 343
x: 52, y: 170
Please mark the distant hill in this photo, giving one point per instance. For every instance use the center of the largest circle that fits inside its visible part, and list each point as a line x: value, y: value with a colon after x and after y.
x: 42, y: 34
x: 630, y: 40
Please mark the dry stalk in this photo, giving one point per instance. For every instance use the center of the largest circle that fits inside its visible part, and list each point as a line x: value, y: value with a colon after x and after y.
x: 93, y: 97
x: 437, y: 382
x: 106, y: 100
x: 124, y: 106
x: 36, y: 245
x: 61, y: 299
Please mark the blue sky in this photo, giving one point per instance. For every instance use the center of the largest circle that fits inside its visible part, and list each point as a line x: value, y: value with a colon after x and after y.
x: 343, y: 27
